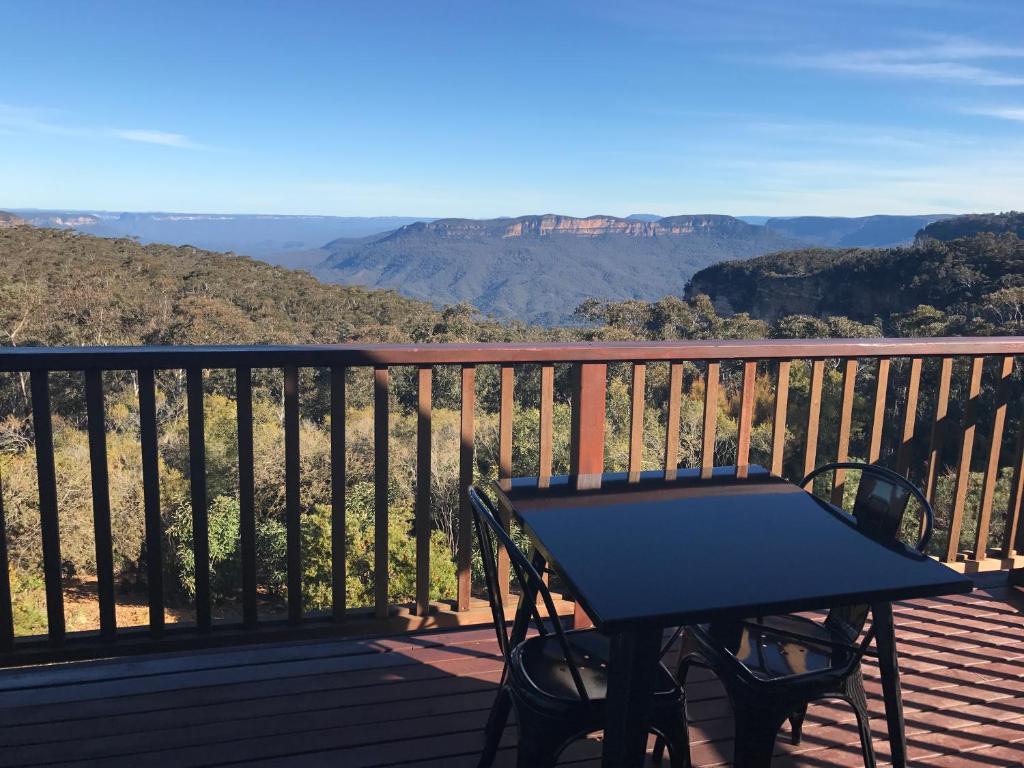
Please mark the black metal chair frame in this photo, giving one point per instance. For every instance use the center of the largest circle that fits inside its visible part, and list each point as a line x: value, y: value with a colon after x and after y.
x: 761, y: 706
x: 548, y: 721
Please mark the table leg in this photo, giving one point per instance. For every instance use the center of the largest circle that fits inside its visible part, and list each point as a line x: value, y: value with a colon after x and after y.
x: 632, y: 672
x: 885, y: 640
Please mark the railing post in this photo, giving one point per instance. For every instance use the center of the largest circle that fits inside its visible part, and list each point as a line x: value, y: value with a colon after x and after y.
x: 96, y: 421
x: 464, y: 556
x: 382, y: 501
x: 197, y: 484
x: 246, y: 494
x: 6, y: 609
x: 588, y: 412
x: 338, y: 553
x: 424, y: 383
x: 292, y: 498
x: 149, y: 445
x: 46, y: 475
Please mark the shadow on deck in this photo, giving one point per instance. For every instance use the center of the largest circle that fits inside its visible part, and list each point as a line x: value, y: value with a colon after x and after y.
x: 422, y: 699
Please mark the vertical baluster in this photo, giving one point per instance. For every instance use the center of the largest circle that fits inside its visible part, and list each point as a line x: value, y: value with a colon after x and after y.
x: 588, y: 415
x: 197, y: 478
x: 636, y: 421
x: 505, y: 466
x: 939, y: 426
x: 547, y: 407
x: 48, y: 519
x: 746, y: 418
x: 878, y: 412
x: 779, y: 422
x: 246, y: 494
x: 151, y: 500
x: 96, y: 419
x: 381, y: 496
x: 813, y: 416
x: 338, y: 553
x: 992, y: 466
x: 423, y: 524
x: 905, y: 451
x: 292, y: 501
x: 707, y: 454
x: 6, y: 608
x: 963, y: 472
x: 675, y: 385
x: 466, y: 449
x: 845, y: 418
x: 1013, y: 516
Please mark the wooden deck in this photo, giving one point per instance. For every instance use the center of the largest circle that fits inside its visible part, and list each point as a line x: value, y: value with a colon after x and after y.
x: 422, y: 700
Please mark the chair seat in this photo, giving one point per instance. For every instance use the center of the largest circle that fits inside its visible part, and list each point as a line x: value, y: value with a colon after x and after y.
x: 540, y: 664
x: 766, y: 650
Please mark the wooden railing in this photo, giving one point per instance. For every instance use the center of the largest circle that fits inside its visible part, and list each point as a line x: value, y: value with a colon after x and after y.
x: 894, y: 432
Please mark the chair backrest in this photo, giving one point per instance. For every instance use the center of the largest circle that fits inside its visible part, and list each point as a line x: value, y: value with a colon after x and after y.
x: 490, y: 534
x: 879, y: 507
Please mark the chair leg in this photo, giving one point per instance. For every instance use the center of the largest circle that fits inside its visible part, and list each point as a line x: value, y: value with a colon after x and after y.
x: 542, y: 738
x: 796, y: 724
x: 495, y: 727
x: 859, y: 701
x: 676, y: 736
x: 686, y: 660
x: 754, y: 735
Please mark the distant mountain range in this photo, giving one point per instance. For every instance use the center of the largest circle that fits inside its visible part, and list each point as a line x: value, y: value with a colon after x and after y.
x: 970, y: 265
x: 540, y: 268
x: 535, y: 268
x: 291, y: 241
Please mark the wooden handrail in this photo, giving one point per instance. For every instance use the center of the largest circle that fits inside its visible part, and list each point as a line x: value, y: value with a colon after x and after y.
x: 275, y: 356
x: 732, y: 372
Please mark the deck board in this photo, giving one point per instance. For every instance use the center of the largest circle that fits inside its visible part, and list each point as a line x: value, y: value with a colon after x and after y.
x: 422, y: 700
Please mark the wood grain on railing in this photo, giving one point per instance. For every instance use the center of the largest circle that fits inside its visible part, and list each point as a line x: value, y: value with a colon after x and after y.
x: 845, y: 420
x: 97, y: 428
x: 466, y: 450
x: 779, y: 418
x: 940, y: 427
x: 587, y: 440
x: 746, y: 417
x: 339, y: 567
x: 988, y: 486
x: 878, y: 411
x: 46, y: 475
x: 904, y: 452
x: 636, y: 421
x: 963, y: 472
x: 151, y: 500
x: 246, y: 494
x: 197, y: 485
x: 424, y: 386
x: 547, y: 408
x: 675, y: 385
x: 813, y: 415
x: 381, y: 496
x: 707, y: 453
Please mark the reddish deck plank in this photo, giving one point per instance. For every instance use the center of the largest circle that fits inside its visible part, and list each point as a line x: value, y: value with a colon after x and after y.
x: 422, y: 699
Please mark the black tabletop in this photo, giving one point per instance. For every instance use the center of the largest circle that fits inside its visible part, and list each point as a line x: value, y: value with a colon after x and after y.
x: 691, y: 550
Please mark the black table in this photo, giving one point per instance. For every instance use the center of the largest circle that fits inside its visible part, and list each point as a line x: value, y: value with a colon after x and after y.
x: 643, y: 556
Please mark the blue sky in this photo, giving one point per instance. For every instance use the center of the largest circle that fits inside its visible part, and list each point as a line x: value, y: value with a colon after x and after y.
x: 844, y: 107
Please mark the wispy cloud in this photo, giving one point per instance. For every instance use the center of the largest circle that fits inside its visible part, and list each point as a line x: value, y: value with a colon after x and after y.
x: 956, y: 60
x: 17, y: 119
x: 163, y: 138
x: 1003, y: 113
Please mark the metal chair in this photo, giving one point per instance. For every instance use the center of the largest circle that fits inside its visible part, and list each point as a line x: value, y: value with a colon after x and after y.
x: 557, y: 680
x: 773, y: 667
